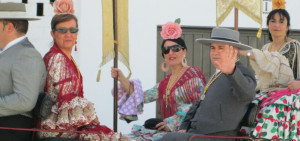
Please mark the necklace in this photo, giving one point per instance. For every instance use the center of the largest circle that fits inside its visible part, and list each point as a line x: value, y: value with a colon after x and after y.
x: 76, y: 67
x: 273, y: 48
x: 171, y: 82
x: 211, y: 80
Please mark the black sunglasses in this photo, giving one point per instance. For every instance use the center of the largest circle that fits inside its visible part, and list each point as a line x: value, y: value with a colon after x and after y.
x: 65, y: 30
x: 174, y: 48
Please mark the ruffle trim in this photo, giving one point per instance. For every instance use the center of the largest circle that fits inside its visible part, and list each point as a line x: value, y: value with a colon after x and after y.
x: 272, y: 69
x: 89, y: 137
x: 279, y: 120
x: 130, y: 106
x: 75, y: 113
x: 269, y: 127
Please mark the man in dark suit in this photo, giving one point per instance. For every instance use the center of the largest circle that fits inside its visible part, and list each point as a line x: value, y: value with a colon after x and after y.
x: 22, y: 73
x: 226, y: 96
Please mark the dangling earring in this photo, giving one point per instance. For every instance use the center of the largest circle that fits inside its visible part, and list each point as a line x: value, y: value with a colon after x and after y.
x: 163, y: 68
x: 184, y: 61
x: 269, y: 35
x: 285, y: 38
x: 75, y: 45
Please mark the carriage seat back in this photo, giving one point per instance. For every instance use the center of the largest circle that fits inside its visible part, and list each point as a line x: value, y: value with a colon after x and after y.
x: 43, y: 106
x: 249, y: 118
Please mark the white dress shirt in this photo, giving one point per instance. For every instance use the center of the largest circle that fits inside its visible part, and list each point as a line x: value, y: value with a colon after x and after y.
x: 13, y: 42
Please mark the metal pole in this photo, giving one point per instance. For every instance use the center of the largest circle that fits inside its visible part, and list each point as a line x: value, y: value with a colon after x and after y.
x: 236, y: 19
x: 115, y: 65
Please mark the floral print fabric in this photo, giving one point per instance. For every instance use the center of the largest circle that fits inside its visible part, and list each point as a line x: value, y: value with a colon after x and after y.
x: 70, y: 110
x: 182, y: 95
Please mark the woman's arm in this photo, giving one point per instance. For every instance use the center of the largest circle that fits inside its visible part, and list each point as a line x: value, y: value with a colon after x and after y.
x: 57, y: 74
x: 246, y: 53
x: 125, y: 83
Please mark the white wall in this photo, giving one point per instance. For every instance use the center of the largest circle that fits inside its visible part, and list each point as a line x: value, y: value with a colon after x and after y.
x: 144, y: 16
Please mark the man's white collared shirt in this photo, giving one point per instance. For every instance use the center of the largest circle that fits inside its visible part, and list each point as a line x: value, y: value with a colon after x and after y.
x: 217, y: 71
x: 13, y: 42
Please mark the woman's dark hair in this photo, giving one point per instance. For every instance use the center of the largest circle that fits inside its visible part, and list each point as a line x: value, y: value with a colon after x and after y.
x: 283, y: 13
x: 179, y: 41
x: 59, y: 18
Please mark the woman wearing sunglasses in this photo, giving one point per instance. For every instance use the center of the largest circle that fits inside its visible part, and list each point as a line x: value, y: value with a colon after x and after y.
x: 70, y: 110
x: 175, y: 94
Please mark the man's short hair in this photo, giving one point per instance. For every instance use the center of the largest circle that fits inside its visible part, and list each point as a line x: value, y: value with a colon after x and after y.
x: 21, y: 26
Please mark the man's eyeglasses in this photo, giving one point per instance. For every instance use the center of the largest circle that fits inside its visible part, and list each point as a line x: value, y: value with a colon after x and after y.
x: 65, y: 30
x: 174, y: 48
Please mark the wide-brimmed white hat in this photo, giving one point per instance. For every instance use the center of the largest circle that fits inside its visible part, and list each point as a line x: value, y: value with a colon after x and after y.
x: 226, y: 36
x: 16, y: 11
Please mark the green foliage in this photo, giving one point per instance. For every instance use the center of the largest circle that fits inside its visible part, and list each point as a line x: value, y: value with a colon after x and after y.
x: 178, y: 20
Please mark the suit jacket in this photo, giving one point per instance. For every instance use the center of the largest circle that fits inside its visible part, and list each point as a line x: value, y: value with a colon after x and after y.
x: 225, y: 104
x: 22, y: 77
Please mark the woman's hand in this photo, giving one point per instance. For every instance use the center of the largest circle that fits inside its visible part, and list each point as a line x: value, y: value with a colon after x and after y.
x: 125, y: 83
x: 294, y: 85
x: 115, y: 72
x: 182, y: 131
x: 276, y: 89
x: 163, y: 126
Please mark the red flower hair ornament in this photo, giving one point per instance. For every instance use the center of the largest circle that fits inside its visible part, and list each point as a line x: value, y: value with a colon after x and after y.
x: 171, y: 30
x: 63, y: 7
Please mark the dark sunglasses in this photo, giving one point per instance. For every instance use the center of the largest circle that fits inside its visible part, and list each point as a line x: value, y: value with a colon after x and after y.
x: 65, y: 30
x: 174, y: 48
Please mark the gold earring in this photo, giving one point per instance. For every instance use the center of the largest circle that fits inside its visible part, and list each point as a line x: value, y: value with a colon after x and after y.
x: 163, y: 68
x: 285, y: 39
x: 184, y: 61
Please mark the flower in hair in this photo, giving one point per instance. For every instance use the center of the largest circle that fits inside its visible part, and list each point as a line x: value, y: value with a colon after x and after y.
x: 171, y: 30
x: 63, y: 7
x: 278, y: 4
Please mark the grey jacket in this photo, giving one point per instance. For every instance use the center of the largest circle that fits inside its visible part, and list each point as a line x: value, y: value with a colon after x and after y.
x: 22, y: 77
x: 225, y: 103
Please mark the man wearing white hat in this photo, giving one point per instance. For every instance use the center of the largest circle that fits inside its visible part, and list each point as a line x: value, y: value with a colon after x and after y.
x: 22, y: 73
x: 226, y: 96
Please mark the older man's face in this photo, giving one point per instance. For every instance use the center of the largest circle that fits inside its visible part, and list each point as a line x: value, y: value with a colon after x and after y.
x: 223, y: 57
x: 216, y: 49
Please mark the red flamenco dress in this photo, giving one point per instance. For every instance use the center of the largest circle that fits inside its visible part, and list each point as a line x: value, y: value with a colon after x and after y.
x: 70, y: 110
